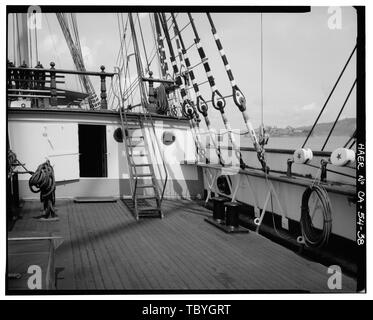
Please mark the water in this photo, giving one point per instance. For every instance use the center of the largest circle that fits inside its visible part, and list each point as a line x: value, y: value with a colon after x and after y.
x: 294, y: 142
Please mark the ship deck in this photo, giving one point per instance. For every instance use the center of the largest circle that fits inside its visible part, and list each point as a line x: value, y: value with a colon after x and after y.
x: 105, y: 248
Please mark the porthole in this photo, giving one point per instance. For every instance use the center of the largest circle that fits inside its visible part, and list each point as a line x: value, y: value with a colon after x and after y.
x: 118, y: 135
x: 168, y: 137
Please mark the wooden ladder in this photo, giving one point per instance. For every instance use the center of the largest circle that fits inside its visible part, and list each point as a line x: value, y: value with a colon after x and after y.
x: 146, y: 197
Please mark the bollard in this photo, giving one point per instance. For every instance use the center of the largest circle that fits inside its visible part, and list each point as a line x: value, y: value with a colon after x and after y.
x: 231, y: 215
x: 218, y: 212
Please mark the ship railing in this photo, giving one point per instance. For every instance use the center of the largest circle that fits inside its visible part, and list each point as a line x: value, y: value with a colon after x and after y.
x: 41, y: 86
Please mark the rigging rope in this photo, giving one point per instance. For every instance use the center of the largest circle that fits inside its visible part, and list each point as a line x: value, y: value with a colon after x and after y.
x: 339, y: 114
x: 36, y: 45
x: 14, y: 40
x: 261, y: 69
x: 30, y: 46
x: 188, y: 109
x: 13, y: 162
x: 18, y: 42
x: 147, y: 70
x: 238, y: 98
x: 138, y: 60
x: 53, y: 40
x: 78, y: 58
x: 218, y: 101
x: 160, y: 96
x: 154, y: 35
x: 201, y: 103
x: 187, y: 104
x: 329, y: 96
x: 353, y: 136
x: 161, y: 48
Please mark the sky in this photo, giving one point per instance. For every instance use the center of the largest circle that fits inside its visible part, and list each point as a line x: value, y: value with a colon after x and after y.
x: 302, y: 58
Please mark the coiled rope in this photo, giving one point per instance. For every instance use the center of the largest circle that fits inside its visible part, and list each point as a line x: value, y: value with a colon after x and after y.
x: 161, y: 100
x: 312, y: 236
x: 12, y: 158
x: 43, y: 181
x: 13, y: 163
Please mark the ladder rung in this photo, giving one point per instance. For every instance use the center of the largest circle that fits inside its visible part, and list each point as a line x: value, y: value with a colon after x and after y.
x: 137, y: 154
x: 140, y: 164
x: 135, y: 137
x: 144, y: 175
x: 150, y: 214
x: 145, y: 197
x: 136, y: 145
x: 142, y: 186
x: 133, y: 128
x: 149, y: 209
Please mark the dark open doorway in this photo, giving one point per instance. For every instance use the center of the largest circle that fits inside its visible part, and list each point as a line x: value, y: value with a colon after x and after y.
x: 92, y: 149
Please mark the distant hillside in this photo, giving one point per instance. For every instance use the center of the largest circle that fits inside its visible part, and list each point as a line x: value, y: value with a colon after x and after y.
x: 344, y: 127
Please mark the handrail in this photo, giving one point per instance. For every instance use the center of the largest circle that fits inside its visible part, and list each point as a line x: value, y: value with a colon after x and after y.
x: 24, y: 78
x: 64, y: 71
x: 161, y: 154
x: 123, y: 116
x: 148, y: 118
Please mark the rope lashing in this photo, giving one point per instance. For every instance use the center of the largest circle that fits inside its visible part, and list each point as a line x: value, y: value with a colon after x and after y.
x: 187, y: 108
x: 200, y: 103
x: 147, y: 70
x: 12, y: 158
x: 238, y: 97
x: 161, y: 49
x: 43, y: 181
x: 13, y: 162
x: 217, y: 99
x: 139, y: 66
x: 312, y: 236
x: 161, y: 100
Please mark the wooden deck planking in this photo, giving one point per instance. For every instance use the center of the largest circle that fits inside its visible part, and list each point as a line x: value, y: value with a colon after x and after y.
x: 125, y: 265
x: 131, y: 250
x: 106, y: 248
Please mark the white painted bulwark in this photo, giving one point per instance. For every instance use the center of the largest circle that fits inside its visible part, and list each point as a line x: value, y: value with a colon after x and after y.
x: 63, y: 150
x: 34, y: 143
x: 40, y: 135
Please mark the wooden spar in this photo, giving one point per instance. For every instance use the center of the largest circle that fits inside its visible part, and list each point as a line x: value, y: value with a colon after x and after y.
x: 140, y: 70
x: 161, y: 50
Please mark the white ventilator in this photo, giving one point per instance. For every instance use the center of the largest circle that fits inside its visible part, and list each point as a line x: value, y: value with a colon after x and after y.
x: 342, y: 156
x: 302, y: 155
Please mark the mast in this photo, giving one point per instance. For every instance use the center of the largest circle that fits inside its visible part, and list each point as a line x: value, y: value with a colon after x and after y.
x: 140, y: 70
x: 76, y: 54
x: 22, y: 40
x: 161, y: 50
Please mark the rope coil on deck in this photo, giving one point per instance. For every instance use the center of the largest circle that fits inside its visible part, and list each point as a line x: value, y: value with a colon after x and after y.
x: 313, y: 237
x: 43, y: 181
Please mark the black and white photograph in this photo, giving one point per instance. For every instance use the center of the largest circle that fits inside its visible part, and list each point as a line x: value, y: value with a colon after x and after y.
x: 185, y: 150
